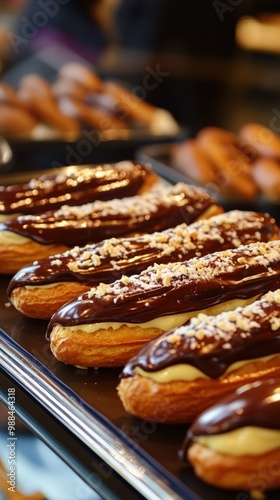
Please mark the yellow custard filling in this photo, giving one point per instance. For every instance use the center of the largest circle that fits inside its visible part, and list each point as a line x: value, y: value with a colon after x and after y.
x: 10, y: 238
x: 164, y: 323
x: 189, y: 373
x: 244, y: 441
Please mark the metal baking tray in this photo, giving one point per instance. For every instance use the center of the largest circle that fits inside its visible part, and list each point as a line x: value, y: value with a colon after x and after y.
x: 159, y: 156
x: 142, y: 453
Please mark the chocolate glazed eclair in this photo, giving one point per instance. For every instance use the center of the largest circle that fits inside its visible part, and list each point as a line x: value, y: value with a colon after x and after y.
x: 40, y: 289
x: 75, y: 185
x: 29, y: 237
x: 110, y: 323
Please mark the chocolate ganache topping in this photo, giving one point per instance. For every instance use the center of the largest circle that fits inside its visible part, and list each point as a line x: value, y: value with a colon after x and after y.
x: 213, y: 343
x: 155, y: 210
x: 73, y: 185
x: 256, y: 404
x: 110, y: 259
x: 162, y: 290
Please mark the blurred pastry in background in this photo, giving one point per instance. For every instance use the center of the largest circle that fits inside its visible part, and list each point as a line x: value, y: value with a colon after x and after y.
x: 26, y: 238
x: 77, y: 99
x: 37, y: 95
x: 15, y: 117
x: 77, y: 270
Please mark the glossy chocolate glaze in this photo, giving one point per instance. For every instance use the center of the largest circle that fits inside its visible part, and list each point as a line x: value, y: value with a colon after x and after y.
x: 212, y: 344
x: 175, y: 288
x: 73, y: 185
x: 153, y: 211
x: 256, y: 405
x: 109, y: 260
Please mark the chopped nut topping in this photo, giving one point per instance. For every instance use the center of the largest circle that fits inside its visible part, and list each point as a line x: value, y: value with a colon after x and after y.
x: 225, y: 325
x: 56, y: 262
x: 144, y: 204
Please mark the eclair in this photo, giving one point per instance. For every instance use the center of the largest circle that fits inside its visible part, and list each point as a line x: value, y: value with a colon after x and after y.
x: 27, y: 238
x: 186, y: 370
x: 40, y: 289
x: 261, y: 139
x: 109, y: 324
x: 241, y: 165
x: 76, y: 185
x: 235, y: 444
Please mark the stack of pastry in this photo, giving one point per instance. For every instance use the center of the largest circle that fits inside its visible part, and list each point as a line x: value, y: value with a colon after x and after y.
x: 29, y: 237
x: 75, y: 185
x: 78, y: 98
x: 237, y: 165
x: 221, y: 374
x: 110, y: 323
